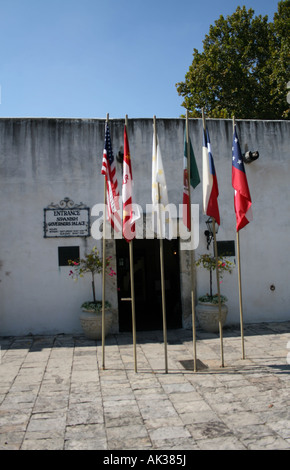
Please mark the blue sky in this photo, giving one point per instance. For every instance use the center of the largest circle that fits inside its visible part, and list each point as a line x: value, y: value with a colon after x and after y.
x: 86, y: 58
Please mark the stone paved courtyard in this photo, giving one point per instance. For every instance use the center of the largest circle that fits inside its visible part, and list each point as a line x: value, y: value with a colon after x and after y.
x: 55, y: 395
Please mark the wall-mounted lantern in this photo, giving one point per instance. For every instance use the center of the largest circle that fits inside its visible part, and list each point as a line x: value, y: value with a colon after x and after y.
x: 250, y: 157
x: 209, y: 232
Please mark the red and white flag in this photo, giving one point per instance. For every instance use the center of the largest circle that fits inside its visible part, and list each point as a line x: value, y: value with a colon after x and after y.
x: 130, y: 212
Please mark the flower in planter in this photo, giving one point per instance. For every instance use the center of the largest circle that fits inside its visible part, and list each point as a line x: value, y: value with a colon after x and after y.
x: 212, y: 299
x: 93, y: 264
x: 208, y: 262
x: 95, y: 306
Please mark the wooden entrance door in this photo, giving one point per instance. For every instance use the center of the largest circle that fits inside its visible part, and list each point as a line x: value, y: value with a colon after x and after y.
x: 148, y: 299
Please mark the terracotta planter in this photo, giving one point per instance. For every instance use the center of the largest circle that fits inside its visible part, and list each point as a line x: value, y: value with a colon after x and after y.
x: 208, y: 316
x: 92, y: 323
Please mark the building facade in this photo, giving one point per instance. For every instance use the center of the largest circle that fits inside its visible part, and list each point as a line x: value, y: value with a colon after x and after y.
x: 51, y: 172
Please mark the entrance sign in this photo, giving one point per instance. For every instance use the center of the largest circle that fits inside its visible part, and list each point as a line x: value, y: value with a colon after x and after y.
x: 66, y: 219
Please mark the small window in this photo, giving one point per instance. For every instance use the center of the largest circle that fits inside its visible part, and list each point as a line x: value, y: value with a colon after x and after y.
x: 67, y: 252
x: 226, y: 248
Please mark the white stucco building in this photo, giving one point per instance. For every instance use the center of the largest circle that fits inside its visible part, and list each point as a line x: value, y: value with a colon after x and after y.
x: 44, y: 161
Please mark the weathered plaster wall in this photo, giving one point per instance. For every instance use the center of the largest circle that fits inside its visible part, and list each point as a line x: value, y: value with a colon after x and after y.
x: 45, y: 160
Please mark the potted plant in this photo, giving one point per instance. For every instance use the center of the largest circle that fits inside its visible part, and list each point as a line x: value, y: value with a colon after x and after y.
x: 91, y: 316
x: 207, y: 309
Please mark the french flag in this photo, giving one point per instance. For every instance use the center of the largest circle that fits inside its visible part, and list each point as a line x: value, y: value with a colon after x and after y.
x: 210, y: 184
x: 242, y: 199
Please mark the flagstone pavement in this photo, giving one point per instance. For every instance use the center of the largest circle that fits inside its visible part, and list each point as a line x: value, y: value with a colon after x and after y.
x: 55, y: 394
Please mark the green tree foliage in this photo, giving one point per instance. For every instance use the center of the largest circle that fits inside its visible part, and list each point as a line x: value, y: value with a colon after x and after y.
x: 243, y: 69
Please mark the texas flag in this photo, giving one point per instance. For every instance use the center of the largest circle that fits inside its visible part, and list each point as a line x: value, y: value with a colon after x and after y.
x: 242, y: 200
x: 210, y: 184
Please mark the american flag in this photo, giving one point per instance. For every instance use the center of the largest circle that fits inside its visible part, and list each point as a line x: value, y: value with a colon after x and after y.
x: 109, y: 170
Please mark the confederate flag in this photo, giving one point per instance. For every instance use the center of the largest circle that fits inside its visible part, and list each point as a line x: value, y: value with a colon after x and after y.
x: 242, y: 199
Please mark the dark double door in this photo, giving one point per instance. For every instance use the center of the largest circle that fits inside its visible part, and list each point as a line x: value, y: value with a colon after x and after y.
x: 147, y: 279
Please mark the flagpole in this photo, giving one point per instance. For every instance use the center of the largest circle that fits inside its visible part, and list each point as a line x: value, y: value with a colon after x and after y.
x: 191, y: 251
x: 240, y: 282
x: 217, y: 273
x: 162, y: 266
x: 132, y: 286
x: 104, y: 271
x: 219, y: 295
x: 240, y: 296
